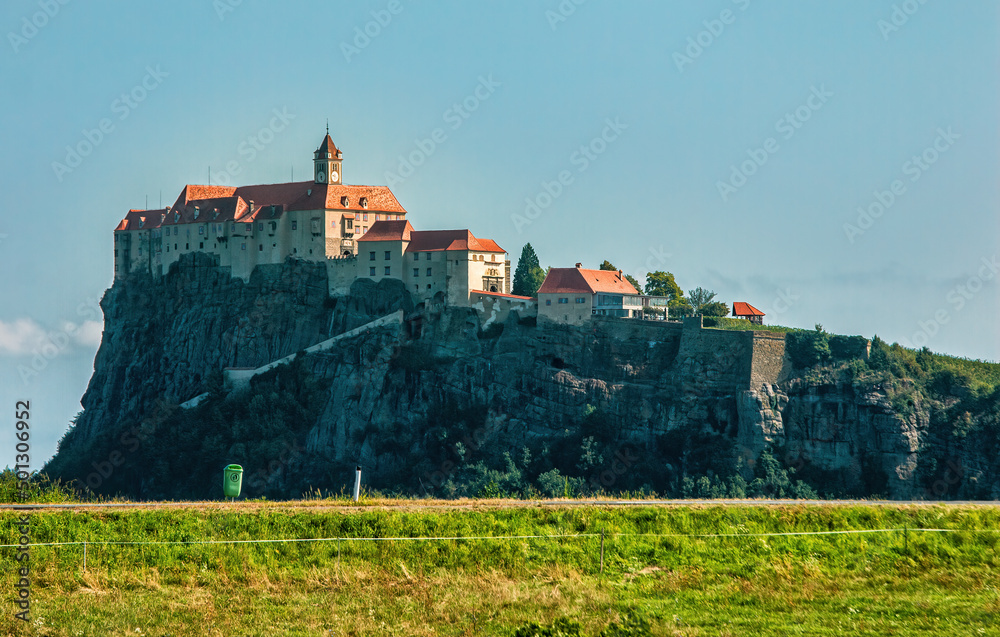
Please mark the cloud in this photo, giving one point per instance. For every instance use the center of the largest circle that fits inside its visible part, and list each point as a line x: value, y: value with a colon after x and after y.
x: 89, y: 334
x: 21, y: 337
x: 25, y: 337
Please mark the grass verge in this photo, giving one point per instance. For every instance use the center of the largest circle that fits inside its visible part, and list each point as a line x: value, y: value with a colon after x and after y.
x: 746, y: 584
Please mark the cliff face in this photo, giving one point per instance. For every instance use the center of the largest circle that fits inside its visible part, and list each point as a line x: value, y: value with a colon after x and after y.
x: 619, y: 404
x: 164, y: 339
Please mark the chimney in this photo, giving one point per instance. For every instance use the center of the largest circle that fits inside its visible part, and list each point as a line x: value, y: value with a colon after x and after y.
x: 250, y: 203
x: 579, y: 265
x: 619, y: 274
x: 309, y: 192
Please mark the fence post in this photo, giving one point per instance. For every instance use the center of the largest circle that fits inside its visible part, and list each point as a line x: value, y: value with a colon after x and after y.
x: 84, y: 557
x: 357, y: 483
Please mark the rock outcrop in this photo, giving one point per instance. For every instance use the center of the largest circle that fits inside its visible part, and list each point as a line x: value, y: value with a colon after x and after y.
x: 394, y: 393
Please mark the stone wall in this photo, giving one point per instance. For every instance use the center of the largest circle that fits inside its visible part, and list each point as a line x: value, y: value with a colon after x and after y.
x: 768, y: 365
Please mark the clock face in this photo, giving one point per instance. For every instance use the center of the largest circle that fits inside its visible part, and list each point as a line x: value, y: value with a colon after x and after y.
x: 333, y: 175
x: 321, y: 177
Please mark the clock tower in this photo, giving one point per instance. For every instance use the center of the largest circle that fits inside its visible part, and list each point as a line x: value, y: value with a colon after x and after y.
x: 326, y: 162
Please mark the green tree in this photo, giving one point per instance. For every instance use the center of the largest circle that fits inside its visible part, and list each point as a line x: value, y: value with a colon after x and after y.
x: 529, y: 274
x: 715, y: 308
x: 662, y: 284
x: 700, y: 297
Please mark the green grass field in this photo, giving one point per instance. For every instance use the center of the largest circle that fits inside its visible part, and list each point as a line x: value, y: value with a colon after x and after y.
x: 858, y: 584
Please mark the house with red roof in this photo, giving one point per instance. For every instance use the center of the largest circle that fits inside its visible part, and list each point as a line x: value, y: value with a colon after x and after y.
x: 746, y: 311
x: 447, y: 264
x: 574, y: 295
x: 358, y: 231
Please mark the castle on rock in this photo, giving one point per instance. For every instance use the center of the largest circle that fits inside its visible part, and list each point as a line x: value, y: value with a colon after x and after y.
x: 358, y: 231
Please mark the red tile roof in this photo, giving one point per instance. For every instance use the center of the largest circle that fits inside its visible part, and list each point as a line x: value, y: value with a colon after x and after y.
x: 578, y: 280
x: 438, y: 240
x: 506, y: 296
x: 745, y: 309
x: 232, y: 202
x: 327, y: 146
x: 140, y: 220
x: 389, y: 231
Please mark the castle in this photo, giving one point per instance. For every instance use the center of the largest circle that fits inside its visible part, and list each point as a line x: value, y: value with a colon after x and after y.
x: 358, y: 231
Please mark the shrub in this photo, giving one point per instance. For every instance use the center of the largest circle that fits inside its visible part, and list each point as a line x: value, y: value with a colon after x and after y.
x: 808, y: 348
x: 848, y: 347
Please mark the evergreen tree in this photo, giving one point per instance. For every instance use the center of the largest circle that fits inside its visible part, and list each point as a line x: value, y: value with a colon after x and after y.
x: 529, y: 274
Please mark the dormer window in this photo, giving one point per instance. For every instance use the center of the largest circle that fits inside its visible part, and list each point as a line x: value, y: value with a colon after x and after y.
x: 197, y: 211
x: 142, y: 221
x: 344, y: 201
x: 364, y: 202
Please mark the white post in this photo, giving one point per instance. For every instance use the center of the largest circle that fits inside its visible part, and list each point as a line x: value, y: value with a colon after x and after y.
x: 357, y: 483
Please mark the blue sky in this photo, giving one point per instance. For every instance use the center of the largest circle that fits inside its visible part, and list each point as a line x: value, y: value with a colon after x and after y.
x: 729, y: 142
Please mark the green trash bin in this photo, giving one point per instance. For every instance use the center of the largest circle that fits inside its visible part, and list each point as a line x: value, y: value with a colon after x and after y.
x: 232, y: 481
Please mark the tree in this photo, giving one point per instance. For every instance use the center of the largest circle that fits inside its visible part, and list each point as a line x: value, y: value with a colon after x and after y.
x: 700, y: 297
x: 529, y: 274
x: 607, y: 265
x: 715, y: 308
x: 662, y: 284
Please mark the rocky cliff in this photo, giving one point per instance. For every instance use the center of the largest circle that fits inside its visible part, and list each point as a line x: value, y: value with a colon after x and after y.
x: 439, y: 405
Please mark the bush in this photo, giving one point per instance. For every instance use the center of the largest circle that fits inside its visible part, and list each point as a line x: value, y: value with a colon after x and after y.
x: 808, y: 348
x: 848, y: 347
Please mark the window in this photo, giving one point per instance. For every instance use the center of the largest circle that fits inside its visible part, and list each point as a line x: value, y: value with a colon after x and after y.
x: 371, y: 256
x: 116, y: 251
x: 176, y: 229
x: 387, y: 270
x: 242, y: 248
x: 428, y: 256
x: 201, y: 245
x: 260, y: 248
x: 416, y: 272
x: 416, y: 256
x: 388, y: 255
x: 371, y: 271
x: 563, y: 300
x: 429, y: 272
x: 187, y: 246
x: 295, y: 225
x: 350, y: 224
x: 175, y: 246
x: 260, y: 225
x: 581, y: 299
x: 428, y: 286
x: 201, y: 229
x: 548, y: 301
